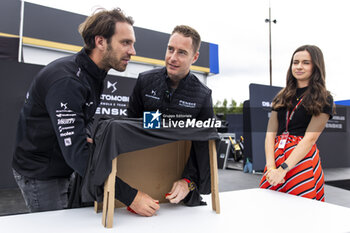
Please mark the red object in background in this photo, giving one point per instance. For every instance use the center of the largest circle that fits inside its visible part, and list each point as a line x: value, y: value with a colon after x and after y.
x: 167, y: 194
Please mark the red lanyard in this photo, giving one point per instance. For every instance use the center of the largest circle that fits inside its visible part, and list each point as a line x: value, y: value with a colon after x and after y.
x: 290, y: 116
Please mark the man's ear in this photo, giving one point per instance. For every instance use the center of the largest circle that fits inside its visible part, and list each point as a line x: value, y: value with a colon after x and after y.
x: 100, y: 43
x: 195, y: 57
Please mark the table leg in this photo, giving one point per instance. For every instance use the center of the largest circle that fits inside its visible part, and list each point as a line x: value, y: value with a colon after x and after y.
x: 98, y: 206
x: 109, y: 197
x: 214, y: 177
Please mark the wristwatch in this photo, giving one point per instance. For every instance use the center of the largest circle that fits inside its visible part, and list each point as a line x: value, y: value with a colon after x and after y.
x: 284, y: 166
x: 191, y: 185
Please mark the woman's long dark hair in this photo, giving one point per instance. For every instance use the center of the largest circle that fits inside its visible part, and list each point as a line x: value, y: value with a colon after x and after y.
x: 316, y: 95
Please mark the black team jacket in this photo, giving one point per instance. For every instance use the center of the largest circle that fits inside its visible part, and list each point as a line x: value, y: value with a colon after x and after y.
x: 55, y: 121
x: 52, y: 128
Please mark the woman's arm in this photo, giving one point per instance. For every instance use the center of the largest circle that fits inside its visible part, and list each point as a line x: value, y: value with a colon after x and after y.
x: 272, y: 128
x: 312, y: 133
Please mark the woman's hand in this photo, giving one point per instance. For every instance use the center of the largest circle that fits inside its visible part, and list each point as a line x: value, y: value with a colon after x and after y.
x: 275, y: 176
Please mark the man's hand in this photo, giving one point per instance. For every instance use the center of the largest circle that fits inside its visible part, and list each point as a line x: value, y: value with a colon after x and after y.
x: 89, y: 140
x: 144, y: 205
x: 178, y: 192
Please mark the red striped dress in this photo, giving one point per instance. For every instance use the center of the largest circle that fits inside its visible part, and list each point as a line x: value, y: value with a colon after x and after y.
x: 306, y: 179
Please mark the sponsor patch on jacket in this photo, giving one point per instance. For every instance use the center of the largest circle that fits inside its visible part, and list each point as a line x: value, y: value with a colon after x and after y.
x: 66, y: 115
x: 153, y: 97
x: 187, y: 104
x: 66, y: 134
x: 67, y: 141
x: 65, y: 121
x: 61, y: 128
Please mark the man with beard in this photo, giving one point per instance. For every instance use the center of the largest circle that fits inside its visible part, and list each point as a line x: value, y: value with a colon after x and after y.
x: 52, y: 135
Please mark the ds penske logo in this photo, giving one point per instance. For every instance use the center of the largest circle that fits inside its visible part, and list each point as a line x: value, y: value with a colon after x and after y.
x: 64, y: 105
x: 109, y: 85
x: 153, y: 95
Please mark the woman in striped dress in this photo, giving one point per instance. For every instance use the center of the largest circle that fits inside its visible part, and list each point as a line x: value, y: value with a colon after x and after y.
x: 299, y: 114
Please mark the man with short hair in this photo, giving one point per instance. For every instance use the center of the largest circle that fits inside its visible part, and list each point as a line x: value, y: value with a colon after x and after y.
x: 52, y: 135
x: 174, y: 90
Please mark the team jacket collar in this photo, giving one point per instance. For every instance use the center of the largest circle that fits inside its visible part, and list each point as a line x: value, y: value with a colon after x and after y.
x: 87, y: 64
x: 182, y: 81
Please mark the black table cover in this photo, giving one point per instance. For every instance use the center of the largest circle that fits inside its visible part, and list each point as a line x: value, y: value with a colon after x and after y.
x: 114, y: 137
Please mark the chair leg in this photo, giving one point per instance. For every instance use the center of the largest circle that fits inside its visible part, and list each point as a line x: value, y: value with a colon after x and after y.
x: 109, y: 197
x: 214, y: 177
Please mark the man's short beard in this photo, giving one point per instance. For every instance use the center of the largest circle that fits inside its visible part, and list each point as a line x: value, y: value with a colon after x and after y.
x: 107, y: 61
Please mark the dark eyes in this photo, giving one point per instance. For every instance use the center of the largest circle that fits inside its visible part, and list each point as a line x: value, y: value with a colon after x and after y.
x: 181, y: 52
x: 304, y: 62
x: 128, y: 42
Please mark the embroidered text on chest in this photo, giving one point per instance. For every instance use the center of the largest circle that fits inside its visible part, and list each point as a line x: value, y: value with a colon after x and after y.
x: 187, y: 104
x: 153, y: 95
